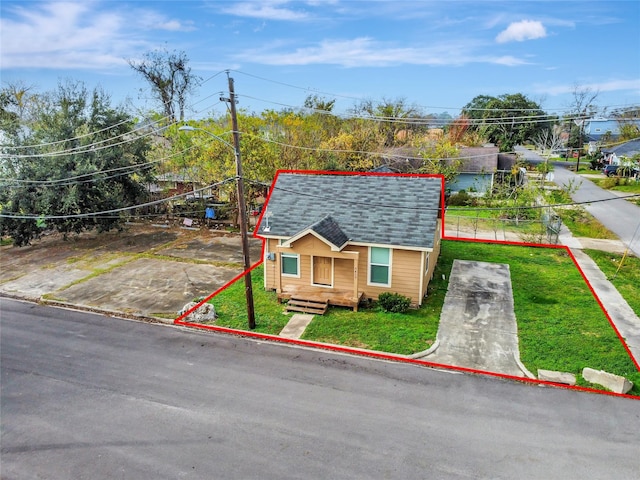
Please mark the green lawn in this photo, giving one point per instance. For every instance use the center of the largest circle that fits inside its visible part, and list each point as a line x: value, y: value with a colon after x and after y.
x: 619, y: 184
x: 560, y: 324
x: 625, y: 278
x: 231, y: 307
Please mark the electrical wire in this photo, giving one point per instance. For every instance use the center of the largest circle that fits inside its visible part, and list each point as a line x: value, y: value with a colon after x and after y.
x: 116, y: 210
x: 422, y: 208
x: 312, y: 90
x: 127, y: 170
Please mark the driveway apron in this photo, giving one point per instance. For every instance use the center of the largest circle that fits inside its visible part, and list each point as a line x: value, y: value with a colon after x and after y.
x: 478, y: 326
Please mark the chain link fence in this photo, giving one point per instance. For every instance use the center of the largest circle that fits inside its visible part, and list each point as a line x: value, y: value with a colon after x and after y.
x: 545, y: 230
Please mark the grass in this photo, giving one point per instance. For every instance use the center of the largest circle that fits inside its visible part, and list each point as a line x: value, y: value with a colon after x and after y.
x: 619, y: 184
x: 231, y: 307
x: 374, y: 329
x: 625, y: 278
x: 583, y: 224
x: 560, y: 324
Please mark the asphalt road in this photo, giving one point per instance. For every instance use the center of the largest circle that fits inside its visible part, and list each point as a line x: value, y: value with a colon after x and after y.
x: 618, y: 215
x: 89, y: 397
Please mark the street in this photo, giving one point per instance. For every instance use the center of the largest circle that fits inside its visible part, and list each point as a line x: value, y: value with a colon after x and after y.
x: 616, y: 214
x: 91, y: 397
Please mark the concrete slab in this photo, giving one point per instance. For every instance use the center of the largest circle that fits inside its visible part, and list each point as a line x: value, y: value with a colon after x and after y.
x: 223, y: 248
x: 149, y: 286
x: 478, y: 326
x: 131, y: 285
x: 296, y: 326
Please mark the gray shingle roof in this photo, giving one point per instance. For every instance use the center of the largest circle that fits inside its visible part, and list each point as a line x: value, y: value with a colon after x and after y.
x: 376, y: 209
x: 328, y: 229
x: 627, y: 149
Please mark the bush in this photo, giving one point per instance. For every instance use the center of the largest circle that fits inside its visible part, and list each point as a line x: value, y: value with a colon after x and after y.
x: 394, y: 302
x: 610, y: 182
x: 461, y: 199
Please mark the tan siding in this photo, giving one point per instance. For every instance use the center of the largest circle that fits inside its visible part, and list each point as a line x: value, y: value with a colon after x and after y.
x: 433, y: 260
x: 405, y: 274
x: 310, y: 245
x: 343, y: 274
x: 406, y: 271
x: 270, y: 267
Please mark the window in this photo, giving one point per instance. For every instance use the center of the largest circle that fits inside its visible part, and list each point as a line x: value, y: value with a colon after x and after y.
x: 290, y: 264
x: 380, y: 266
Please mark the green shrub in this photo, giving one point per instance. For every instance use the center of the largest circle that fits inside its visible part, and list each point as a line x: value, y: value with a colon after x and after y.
x: 610, y: 182
x: 394, y: 302
x: 461, y: 199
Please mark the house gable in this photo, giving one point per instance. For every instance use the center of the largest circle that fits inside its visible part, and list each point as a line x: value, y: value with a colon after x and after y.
x: 326, y: 230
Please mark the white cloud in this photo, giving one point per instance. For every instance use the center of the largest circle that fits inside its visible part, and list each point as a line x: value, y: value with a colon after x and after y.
x: 268, y: 10
x: 508, y: 61
x: 151, y: 20
x: 367, y: 52
x: 520, y: 31
x: 75, y: 35
x: 604, y: 86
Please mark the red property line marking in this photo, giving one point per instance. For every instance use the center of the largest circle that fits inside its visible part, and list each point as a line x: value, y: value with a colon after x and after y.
x: 388, y: 356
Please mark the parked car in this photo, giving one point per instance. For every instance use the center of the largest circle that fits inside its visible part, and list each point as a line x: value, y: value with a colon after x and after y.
x: 614, y: 170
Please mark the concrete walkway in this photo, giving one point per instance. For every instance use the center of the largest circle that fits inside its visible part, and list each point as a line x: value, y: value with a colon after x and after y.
x: 478, y: 326
x: 296, y: 325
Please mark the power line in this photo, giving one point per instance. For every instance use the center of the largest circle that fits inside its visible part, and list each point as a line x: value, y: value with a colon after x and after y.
x: 336, y: 95
x: 115, y: 210
x: 422, y: 208
x: 126, y: 170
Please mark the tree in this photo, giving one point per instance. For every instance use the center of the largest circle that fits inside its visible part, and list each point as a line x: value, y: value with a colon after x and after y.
x: 80, y: 156
x: 440, y: 158
x: 507, y: 120
x: 393, y: 116
x: 170, y: 79
x: 629, y: 131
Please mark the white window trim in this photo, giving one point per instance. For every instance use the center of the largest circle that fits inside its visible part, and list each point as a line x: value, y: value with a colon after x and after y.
x: 313, y: 259
x: 290, y: 255
x: 369, y: 282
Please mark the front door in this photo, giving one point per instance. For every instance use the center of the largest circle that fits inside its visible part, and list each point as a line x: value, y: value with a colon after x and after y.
x: 322, y: 270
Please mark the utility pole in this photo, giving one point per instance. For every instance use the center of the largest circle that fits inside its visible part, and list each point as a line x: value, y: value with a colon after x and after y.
x: 580, y: 145
x: 241, y: 207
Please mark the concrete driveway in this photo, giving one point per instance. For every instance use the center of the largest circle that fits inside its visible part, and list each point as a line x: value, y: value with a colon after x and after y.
x: 478, y: 328
x: 145, y: 271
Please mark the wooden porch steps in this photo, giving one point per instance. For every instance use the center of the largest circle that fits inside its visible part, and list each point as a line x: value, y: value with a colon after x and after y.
x: 316, y: 307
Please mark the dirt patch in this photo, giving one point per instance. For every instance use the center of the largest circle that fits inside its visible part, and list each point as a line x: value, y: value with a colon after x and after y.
x: 214, y: 249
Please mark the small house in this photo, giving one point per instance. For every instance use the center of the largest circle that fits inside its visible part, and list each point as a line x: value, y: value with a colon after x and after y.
x: 340, y: 238
x: 624, y: 151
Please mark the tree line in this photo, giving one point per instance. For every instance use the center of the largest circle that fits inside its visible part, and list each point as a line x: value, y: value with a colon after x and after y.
x: 70, y: 152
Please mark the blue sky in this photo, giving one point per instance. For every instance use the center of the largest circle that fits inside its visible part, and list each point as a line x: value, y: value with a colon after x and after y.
x: 435, y: 54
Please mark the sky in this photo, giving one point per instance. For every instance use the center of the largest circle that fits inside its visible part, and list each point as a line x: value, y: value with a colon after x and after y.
x: 437, y: 55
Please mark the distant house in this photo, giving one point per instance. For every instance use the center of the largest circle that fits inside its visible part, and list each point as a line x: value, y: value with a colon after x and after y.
x: 478, y: 167
x: 170, y: 184
x: 596, y: 128
x: 342, y: 238
x: 626, y: 150
x: 476, y: 173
